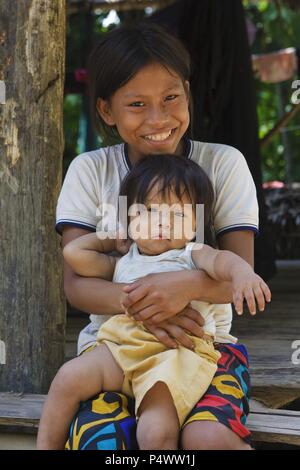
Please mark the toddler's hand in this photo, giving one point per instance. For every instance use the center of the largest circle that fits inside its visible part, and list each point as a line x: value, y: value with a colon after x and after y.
x: 122, y: 246
x: 252, y: 288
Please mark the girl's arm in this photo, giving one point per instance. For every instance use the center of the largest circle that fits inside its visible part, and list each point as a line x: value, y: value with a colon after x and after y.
x: 86, y: 256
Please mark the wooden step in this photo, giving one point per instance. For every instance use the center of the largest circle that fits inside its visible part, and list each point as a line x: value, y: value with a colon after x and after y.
x: 21, y: 413
x: 277, y: 426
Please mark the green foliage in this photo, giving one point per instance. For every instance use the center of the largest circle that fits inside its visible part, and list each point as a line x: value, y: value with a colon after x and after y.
x: 278, y: 28
x: 78, y: 46
x: 72, y: 107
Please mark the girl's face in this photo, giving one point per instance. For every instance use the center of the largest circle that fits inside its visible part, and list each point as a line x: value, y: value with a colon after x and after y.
x: 150, y: 112
x: 162, y: 223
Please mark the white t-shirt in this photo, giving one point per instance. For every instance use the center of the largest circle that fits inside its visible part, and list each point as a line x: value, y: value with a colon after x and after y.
x: 94, y: 179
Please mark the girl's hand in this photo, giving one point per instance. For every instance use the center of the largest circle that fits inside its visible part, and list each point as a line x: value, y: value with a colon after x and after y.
x: 252, y: 288
x: 158, y: 296
x: 175, y: 330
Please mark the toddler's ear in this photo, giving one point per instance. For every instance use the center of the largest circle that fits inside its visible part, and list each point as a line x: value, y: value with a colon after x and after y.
x: 104, y: 110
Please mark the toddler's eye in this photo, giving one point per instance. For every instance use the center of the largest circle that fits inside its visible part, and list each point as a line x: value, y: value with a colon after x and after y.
x: 137, y: 104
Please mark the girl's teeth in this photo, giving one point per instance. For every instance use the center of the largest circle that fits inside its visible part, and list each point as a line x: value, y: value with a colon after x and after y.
x: 158, y: 137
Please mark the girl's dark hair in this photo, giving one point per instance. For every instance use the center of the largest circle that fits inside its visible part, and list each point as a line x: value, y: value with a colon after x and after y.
x: 122, y: 53
x: 180, y: 174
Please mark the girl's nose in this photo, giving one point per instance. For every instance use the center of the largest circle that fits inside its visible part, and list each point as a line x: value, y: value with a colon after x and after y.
x: 158, y: 116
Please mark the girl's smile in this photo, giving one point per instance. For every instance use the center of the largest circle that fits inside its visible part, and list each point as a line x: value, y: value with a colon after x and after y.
x: 150, y: 111
x: 162, y: 139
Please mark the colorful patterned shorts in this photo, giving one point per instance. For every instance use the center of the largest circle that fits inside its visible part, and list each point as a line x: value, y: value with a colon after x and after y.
x: 107, y: 422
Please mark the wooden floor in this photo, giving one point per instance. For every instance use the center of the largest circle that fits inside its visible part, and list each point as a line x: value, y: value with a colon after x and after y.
x: 275, y: 414
x: 268, y: 336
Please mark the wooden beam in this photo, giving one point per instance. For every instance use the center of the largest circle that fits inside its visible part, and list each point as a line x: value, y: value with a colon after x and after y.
x: 22, y: 413
x: 283, y: 122
x: 32, y: 307
x: 278, y: 426
x: 118, y: 5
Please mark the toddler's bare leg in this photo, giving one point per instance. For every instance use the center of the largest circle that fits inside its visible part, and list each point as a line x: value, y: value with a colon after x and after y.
x: 158, y: 425
x: 76, y: 381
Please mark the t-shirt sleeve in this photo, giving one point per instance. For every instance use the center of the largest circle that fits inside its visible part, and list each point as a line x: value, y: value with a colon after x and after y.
x: 236, y: 206
x: 79, y: 197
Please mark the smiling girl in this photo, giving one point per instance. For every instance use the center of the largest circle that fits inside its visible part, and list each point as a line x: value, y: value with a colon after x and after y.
x: 140, y: 92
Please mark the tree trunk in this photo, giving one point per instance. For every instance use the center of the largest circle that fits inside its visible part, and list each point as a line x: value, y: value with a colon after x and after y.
x: 32, y: 305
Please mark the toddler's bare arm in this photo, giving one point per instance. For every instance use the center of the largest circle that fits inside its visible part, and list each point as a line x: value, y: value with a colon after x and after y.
x: 86, y: 256
x: 224, y: 265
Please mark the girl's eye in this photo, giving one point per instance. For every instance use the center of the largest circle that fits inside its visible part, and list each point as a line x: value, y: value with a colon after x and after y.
x: 171, y: 97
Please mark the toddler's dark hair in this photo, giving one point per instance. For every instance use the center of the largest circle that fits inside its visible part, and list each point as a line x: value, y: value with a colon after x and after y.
x: 122, y: 53
x: 180, y: 174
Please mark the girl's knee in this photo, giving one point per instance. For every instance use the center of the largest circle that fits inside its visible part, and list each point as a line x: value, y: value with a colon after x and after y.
x: 208, y: 435
x: 156, y: 436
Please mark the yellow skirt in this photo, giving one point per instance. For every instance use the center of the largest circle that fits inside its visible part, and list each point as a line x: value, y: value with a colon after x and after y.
x: 145, y: 361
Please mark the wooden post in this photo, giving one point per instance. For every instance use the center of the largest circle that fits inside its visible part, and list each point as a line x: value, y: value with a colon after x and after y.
x: 32, y: 305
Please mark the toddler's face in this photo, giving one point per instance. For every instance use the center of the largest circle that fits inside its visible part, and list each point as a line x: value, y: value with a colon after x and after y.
x: 162, y: 224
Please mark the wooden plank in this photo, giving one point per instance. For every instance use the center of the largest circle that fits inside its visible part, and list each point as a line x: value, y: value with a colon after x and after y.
x: 275, y: 428
x: 269, y: 337
x: 75, y: 6
x: 258, y: 407
x: 20, y: 411
x: 275, y: 397
x: 278, y: 426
